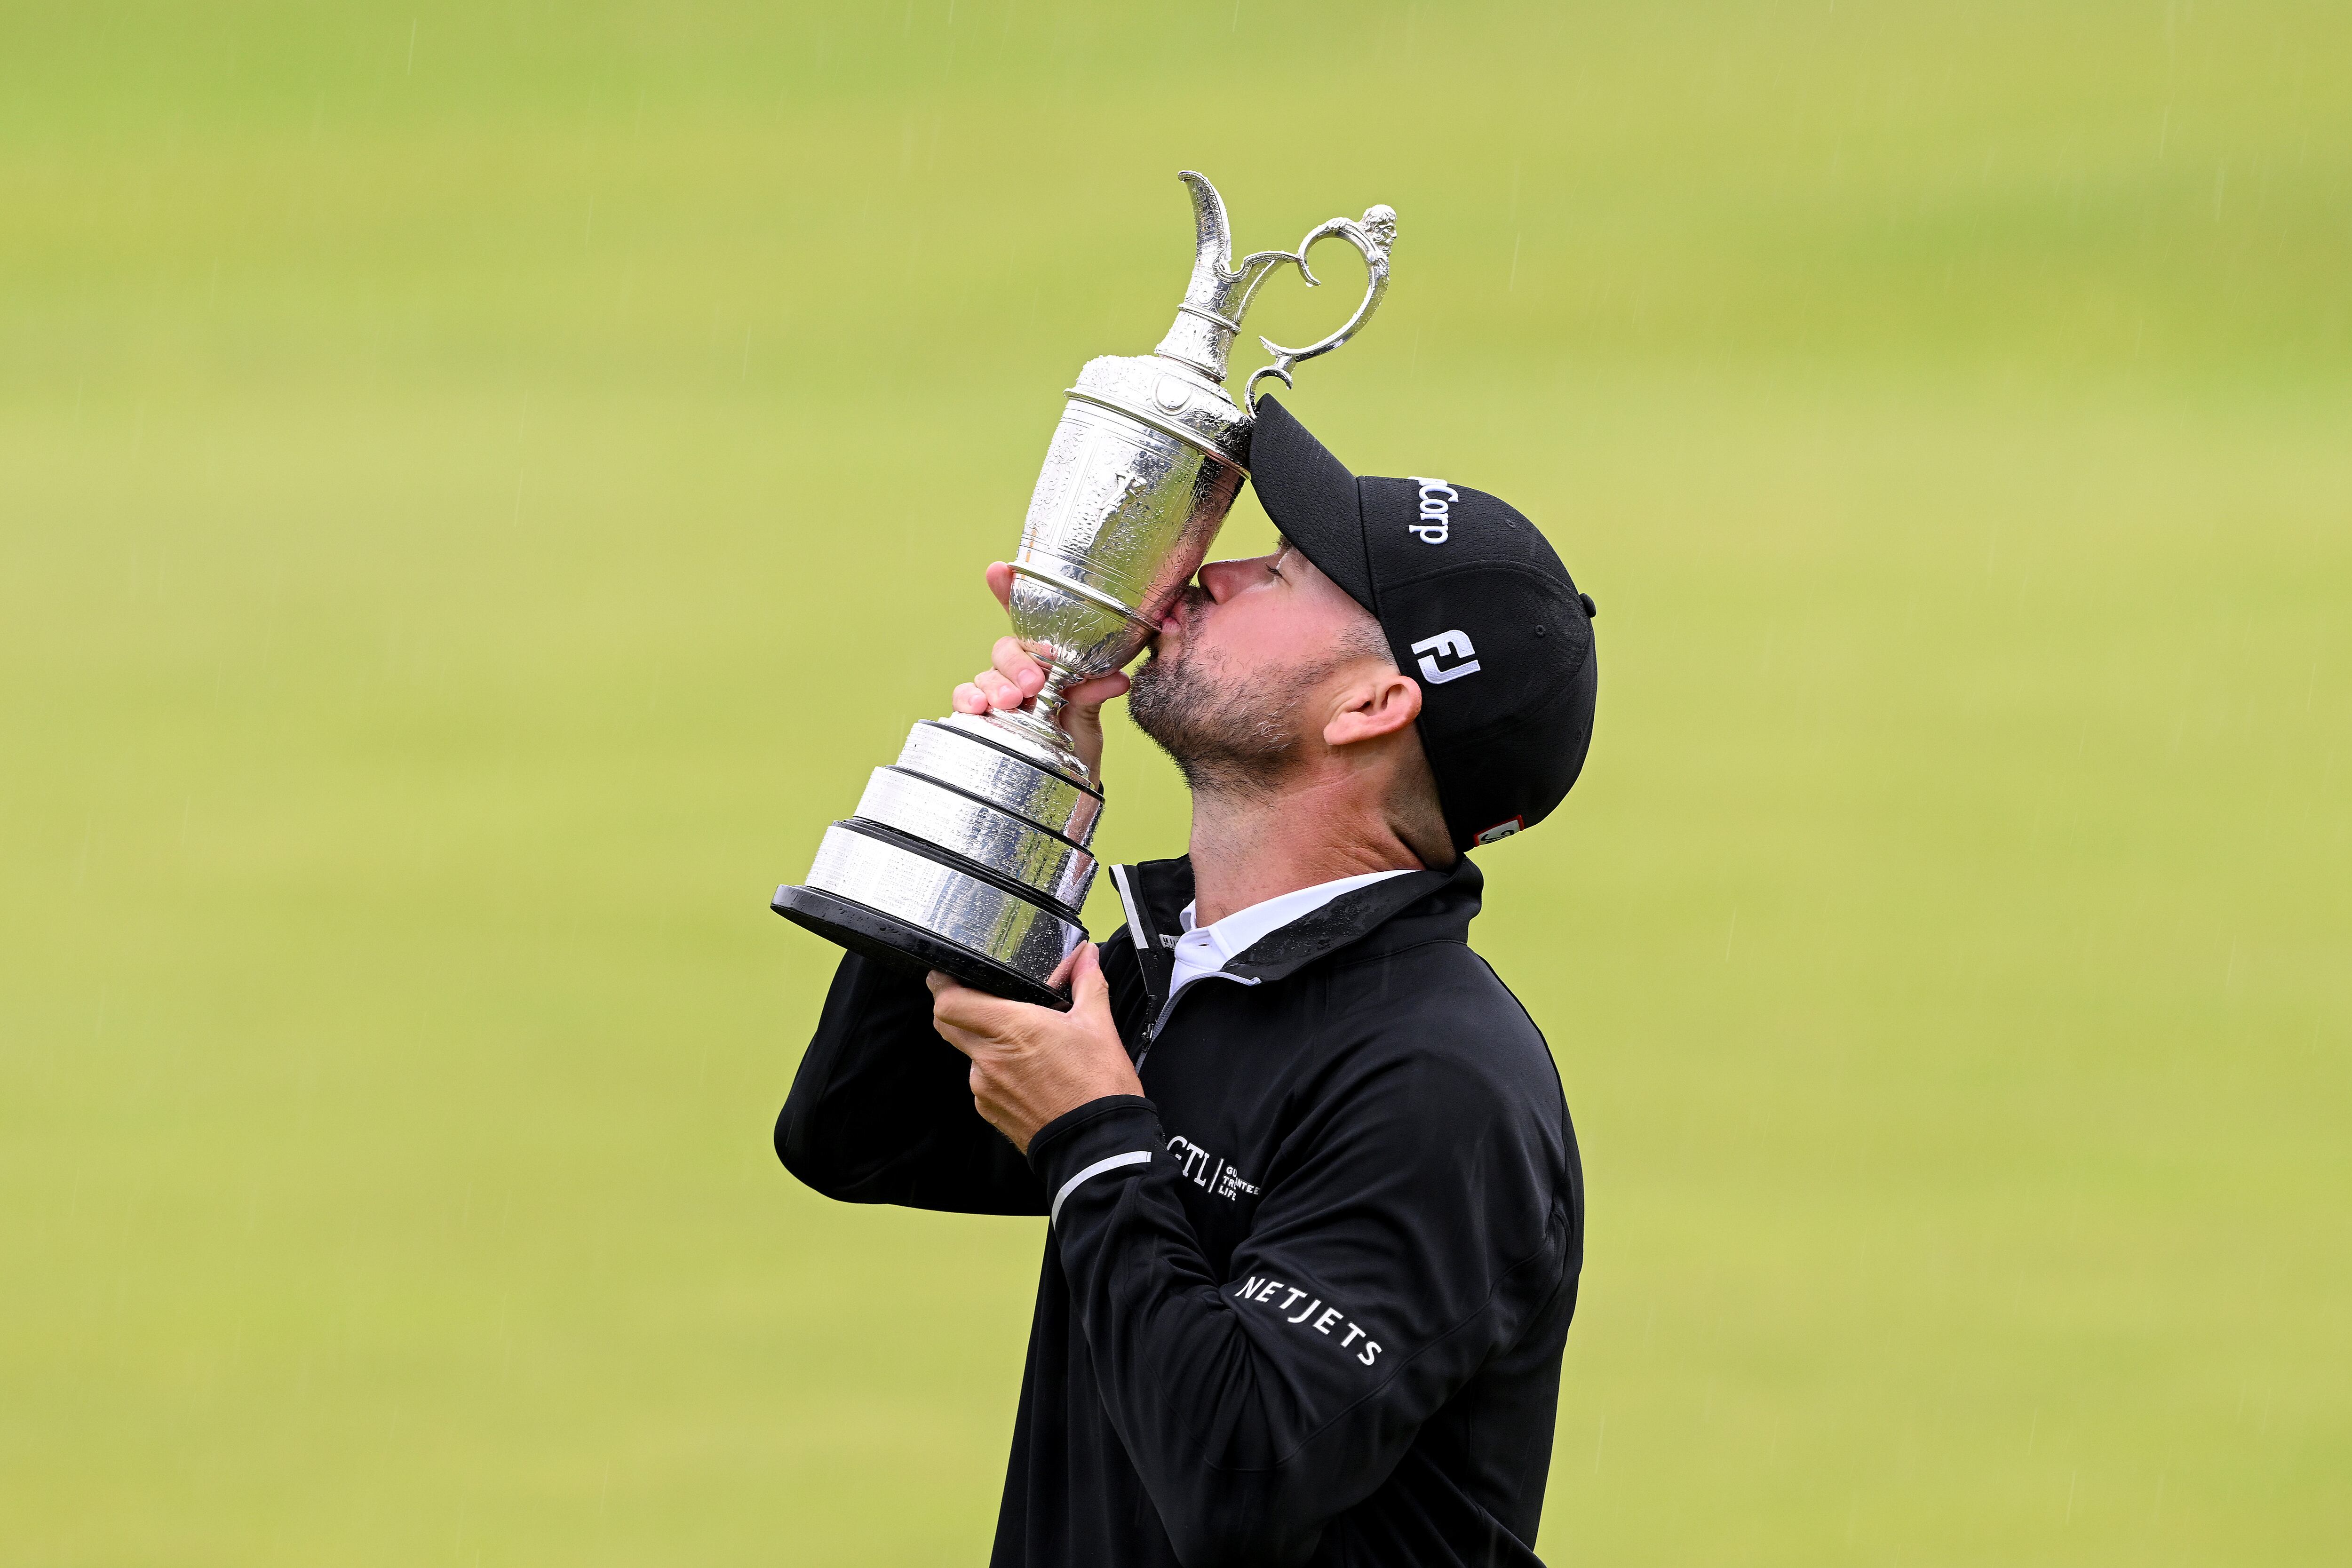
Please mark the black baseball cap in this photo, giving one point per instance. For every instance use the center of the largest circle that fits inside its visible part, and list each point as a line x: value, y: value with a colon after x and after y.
x: 1476, y: 605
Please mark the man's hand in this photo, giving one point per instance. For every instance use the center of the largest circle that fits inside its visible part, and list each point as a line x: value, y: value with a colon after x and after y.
x: 1030, y: 1064
x: 1014, y: 676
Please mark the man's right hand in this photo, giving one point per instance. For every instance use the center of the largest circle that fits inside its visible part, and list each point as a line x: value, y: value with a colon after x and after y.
x: 1015, y: 677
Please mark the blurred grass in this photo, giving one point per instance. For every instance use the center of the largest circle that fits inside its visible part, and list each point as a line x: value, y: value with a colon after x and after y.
x: 479, y: 486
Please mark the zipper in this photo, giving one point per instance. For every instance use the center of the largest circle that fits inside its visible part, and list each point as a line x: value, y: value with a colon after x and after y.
x: 1148, y: 956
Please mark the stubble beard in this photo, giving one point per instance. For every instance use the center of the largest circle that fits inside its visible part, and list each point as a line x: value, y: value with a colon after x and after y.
x: 1227, y: 733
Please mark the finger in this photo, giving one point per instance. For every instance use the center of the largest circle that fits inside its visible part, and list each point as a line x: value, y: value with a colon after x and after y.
x: 999, y: 583
x: 969, y: 699
x: 1000, y: 692
x: 974, y: 1012
x: 1019, y: 666
x: 943, y: 988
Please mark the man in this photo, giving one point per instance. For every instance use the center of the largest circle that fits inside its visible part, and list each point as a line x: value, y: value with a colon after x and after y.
x: 1316, y: 1214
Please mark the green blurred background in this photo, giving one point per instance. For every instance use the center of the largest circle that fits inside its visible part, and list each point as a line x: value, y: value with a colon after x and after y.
x: 480, y: 485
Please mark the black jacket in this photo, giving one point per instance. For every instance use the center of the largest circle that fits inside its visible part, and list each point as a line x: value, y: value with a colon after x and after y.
x: 1315, y: 1314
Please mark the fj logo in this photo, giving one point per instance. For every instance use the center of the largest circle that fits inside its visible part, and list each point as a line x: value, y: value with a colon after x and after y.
x: 1445, y: 645
x: 1437, y: 498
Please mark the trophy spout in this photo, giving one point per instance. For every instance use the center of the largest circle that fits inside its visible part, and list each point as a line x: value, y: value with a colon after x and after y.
x: 1213, y: 245
x: 1219, y: 293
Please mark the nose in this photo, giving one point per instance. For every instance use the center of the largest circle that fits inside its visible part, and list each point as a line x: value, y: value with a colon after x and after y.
x: 1221, y: 580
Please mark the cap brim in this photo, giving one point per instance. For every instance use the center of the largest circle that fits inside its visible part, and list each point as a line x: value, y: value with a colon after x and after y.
x: 1311, y: 496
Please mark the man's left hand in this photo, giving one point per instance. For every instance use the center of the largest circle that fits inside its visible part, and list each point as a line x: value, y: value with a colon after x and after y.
x: 1030, y: 1064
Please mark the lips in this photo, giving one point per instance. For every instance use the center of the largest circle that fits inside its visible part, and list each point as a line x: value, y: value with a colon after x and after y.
x: 1178, y: 617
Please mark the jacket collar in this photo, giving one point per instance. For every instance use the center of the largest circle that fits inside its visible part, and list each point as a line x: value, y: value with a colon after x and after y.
x: 1418, y: 906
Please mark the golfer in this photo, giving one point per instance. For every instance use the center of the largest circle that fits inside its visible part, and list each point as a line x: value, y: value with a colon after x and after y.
x: 1316, y: 1211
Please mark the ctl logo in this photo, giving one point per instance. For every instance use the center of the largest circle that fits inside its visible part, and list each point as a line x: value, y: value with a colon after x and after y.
x: 1449, y: 645
x: 1223, y: 1182
x: 1436, y: 524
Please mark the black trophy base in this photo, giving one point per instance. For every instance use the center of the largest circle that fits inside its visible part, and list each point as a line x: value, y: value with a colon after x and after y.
x: 890, y: 940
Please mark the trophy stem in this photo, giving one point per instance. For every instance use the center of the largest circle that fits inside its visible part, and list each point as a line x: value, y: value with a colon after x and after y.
x: 1049, y: 701
x: 1040, y: 723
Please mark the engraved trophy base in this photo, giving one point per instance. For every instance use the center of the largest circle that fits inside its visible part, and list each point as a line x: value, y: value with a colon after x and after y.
x: 967, y: 855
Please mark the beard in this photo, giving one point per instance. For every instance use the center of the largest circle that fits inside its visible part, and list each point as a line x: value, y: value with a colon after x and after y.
x: 1228, y: 732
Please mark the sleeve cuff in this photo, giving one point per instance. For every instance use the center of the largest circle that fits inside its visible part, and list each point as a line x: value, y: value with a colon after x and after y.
x: 1116, y: 1135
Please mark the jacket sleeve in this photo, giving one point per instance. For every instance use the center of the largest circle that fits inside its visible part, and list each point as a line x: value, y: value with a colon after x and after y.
x: 881, y: 1111
x: 1411, y: 1227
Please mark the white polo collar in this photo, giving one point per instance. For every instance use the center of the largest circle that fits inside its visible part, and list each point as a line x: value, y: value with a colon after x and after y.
x: 1203, y: 953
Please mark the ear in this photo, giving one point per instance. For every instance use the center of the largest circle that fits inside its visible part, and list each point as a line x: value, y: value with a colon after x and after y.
x: 1382, y: 703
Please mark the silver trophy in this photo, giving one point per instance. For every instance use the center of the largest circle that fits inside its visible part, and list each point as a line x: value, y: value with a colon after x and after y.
x: 970, y: 853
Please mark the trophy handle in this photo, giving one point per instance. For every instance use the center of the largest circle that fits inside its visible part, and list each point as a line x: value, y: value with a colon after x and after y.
x: 1374, y: 238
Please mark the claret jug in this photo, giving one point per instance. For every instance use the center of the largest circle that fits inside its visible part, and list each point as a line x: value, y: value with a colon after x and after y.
x: 971, y: 854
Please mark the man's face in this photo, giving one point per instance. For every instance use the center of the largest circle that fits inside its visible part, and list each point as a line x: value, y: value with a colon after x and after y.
x: 1233, y: 689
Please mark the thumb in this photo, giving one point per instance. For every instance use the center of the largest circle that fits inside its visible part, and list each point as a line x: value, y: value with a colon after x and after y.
x: 1088, y: 696
x: 1090, y: 991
